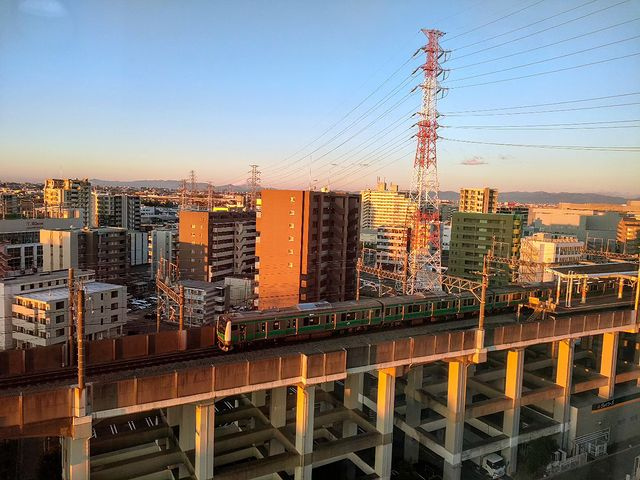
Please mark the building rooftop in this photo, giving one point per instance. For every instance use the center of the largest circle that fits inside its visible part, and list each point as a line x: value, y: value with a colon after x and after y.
x: 44, y: 276
x: 62, y: 293
x: 197, y: 284
x: 598, y: 269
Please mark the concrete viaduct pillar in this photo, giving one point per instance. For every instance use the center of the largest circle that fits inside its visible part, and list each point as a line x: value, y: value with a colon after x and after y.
x: 353, y: 388
x: 564, y: 374
x: 384, y: 421
x: 456, y: 399
x: 413, y: 415
x: 75, y: 450
x: 513, y: 391
x: 305, y: 402
x: 204, y: 437
x: 277, y: 416
x: 608, y: 361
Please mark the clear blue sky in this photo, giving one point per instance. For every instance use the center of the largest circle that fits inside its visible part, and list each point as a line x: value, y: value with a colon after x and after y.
x: 126, y: 90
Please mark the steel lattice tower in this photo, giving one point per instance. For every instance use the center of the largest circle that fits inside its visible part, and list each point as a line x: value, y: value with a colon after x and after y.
x: 425, y: 248
x: 253, y: 183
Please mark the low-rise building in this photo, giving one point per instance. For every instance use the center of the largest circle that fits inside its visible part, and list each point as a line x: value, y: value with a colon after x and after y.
x: 543, y: 250
x: 200, y: 301
x: 41, y: 318
x: 25, y: 284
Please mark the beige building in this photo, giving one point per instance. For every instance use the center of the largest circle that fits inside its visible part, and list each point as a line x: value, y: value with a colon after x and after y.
x: 543, y: 250
x: 385, y: 206
x: 42, y: 318
x: 478, y: 200
x: 628, y: 229
x: 64, y: 197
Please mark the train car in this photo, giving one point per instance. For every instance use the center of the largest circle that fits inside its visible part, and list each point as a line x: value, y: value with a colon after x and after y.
x: 323, y: 318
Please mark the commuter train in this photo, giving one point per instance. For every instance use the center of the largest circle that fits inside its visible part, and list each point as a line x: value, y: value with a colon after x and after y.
x: 323, y: 318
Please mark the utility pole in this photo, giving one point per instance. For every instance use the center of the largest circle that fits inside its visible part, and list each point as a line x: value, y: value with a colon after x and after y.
x: 80, y: 327
x: 209, y: 196
x: 425, y: 268
x: 483, y: 292
x: 181, y: 308
x: 72, y: 293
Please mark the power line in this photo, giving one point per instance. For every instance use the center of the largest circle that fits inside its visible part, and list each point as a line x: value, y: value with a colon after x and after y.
x: 546, y: 59
x: 536, y: 32
x: 494, y: 21
x: 544, y: 104
x: 560, y: 147
x: 551, y: 126
x: 574, y: 109
x: 547, y: 45
x: 548, y: 72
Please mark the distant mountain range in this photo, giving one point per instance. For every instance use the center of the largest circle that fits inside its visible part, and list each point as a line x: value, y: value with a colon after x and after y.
x: 518, y: 197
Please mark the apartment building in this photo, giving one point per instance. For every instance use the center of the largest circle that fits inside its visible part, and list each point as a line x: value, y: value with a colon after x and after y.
x: 200, y: 301
x: 478, y: 200
x: 122, y: 211
x: 138, y: 248
x: 41, y: 318
x: 26, y: 284
x: 216, y: 244
x: 474, y: 234
x: 628, y: 234
x: 163, y: 243
x: 522, y: 210
x: 385, y: 206
x: 543, y: 250
x: 9, y: 205
x: 64, y: 197
x: 307, y: 247
x: 104, y: 250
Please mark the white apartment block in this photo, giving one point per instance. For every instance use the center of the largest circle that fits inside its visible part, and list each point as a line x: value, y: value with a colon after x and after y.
x: 543, y: 250
x: 26, y: 284
x: 163, y: 243
x: 200, y: 300
x: 139, y: 248
x: 42, y: 318
x: 62, y: 197
x: 59, y: 249
x: 385, y: 206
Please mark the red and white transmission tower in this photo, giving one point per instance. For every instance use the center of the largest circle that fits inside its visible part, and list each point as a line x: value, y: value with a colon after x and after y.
x: 425, y: 249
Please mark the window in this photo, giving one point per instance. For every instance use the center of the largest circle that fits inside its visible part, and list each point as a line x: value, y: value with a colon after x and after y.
x: 290, y: 238
x: 114, y: 318
x: 292, y: 212
x: 290, y: 251
x: 114, y: 294
x: 59, y: 318
x: 291, y: 225
x: 292, y: 199
x: 290, y: 264
x: 59, y: 305
x: 114, y: 306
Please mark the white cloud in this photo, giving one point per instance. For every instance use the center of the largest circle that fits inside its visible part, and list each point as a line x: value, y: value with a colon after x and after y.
x: 43, y: 8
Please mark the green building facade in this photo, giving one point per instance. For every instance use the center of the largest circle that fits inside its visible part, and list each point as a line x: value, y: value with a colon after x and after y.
x: 474, y: 234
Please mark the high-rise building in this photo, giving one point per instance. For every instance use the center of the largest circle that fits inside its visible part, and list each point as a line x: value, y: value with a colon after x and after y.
x: 138, y: 248
x: 163, y: 243
x: 213, y: 245
x: 117, y: 211
x: 478, y: 200
x: 64, y: 197
x: 307, y: 247
x: 474, y: 234
x: 26, y: 284
x: 9, y: 205
x: 385, y: 206
x: 543, y: 250
x: 41, y: 318
x: 104, y: 250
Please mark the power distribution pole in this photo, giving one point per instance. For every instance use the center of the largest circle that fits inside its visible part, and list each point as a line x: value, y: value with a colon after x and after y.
x: 72, y: 294
x: 425, y: 257
x: 80, y: 320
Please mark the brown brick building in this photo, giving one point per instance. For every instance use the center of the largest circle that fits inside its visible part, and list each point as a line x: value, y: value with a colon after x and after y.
x: 213, y: 245
x: 307, y: 247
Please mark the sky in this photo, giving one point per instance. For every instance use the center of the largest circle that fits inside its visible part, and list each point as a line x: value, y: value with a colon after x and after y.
x: 320, y: 93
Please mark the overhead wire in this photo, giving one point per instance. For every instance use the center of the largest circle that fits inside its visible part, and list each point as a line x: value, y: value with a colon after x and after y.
x: 632, y: 148
x: 564, y: 55
x: 566, y: 22
x: 546, y: 45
